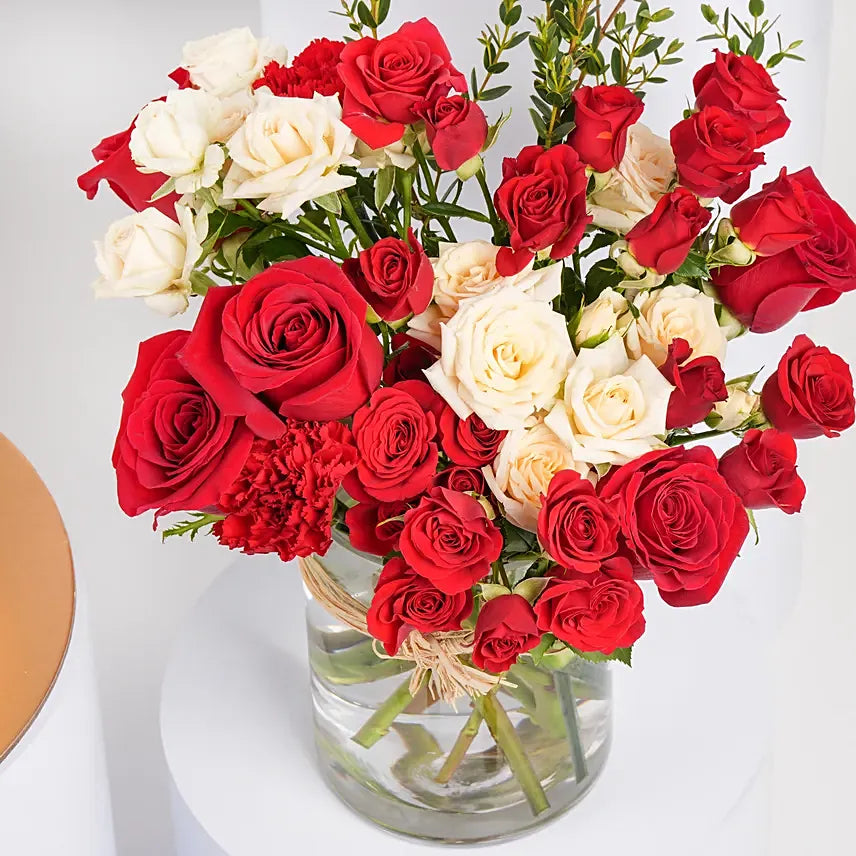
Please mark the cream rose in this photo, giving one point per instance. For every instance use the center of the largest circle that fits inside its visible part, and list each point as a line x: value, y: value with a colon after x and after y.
x: 676, y: 311
x: 602, y: 317
x: 148, y: 255
x: 396, y: 154
x: 178, y: 138
x: 229, y: 62
x: 288, y: 151
x: 527, y: 461
x: 469, y: 269
x: 504, y: 356
x: 631, y: 191
x: 613, y: 409
x: 736, y: 409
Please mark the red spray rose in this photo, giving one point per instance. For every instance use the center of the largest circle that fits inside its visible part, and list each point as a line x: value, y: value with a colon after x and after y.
x: 312, y: 70
x: 662, y: 240
x: 176, y: 450
x: 811, y: 392
x: 542, y: 198
x: 468, y: 442
x: 394, y: 277
x: 505, y: 629
x: 456, y: 128
x: 576, y: 528
x: 593, y: 612
x: 181, y: 77
x: 699, y: 384
x: 386, y: 80
x: 395, y: 434
x: 602, y: 115
x: 715, y: 152
x: 291, y: 341
x: 449, y: 540
x: 410, y: 358
x: 117, y: 168
x: 743, y: 87
x: 762, y: 471
x: 404, y: 601
x: 681, y: 523
x: 372, y: 526
x: 463, y: 480
x: 282, y: 502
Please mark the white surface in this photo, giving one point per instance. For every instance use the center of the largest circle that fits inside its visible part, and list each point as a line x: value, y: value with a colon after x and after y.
x: 54, y: 795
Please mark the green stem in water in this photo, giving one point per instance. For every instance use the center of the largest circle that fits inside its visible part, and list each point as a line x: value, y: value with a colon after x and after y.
x: 354, y: 219
x: 568, y: 704
x: 459, y: 750
x: 380, y: 721
x: 509, y: 742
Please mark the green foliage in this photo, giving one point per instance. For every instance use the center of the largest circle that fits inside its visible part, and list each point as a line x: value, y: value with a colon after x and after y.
x: 192, y: 527
x: 496, y: 41
x: 621, y: 655
x: 361, y: 14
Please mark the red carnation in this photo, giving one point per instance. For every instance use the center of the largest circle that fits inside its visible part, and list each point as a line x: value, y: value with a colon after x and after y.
x: 505, y: 629
x: 373, y: 527
x: 698, y: 383
x: 404, y: 601
x: 312, y: 70
x: 456, y: 128
x: 468, y: 442
x: 410, y: 358
x: 282, y: 502
x: 602, y: 116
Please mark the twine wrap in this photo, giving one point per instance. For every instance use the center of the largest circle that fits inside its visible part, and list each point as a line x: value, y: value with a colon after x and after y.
x: 437, y: 655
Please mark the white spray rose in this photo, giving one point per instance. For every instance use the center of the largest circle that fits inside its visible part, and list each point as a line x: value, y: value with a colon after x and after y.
x: 288, y: 152
x: 603, y: 317
x: 225, y: 63
x: 736, y: 409
x: 178, y: 138
x: 396, y: 154
x: 504, y: 355
x: 469, y: 269
x: 676, y: 311
x: 148, y: 255
x: 632, y: 190
x: 613, y: 409
x: 526, y: 463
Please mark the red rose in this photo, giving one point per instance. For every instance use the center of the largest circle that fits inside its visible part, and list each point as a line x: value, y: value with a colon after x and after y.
x: 394, y: 277
x: 117, y: 168
x: 449, y: 540
x: 593, y: 612
x: 576, y: 528
x: 542, y: 198
x: 372, y: 527
x: 181, y: 77
x: 404, y: 601
x: 811, y: 392
x: 468, y: 442
x: 681, y: 523
x: 602, y: 115
x: 176, y: 450
x: 762, y: 471
x: 312, y: 70
x: 395, y: 434
x: 715, y: 152
x: 463, y: 480
x: 662, y: 240
x: 282, y: 502
x: 291, y: 341
x: 742, y: 86
x: 699, y: 384
x: 410, y: 358
x: 456, y: 129
x: 386, y: 80
x: 505, y: 629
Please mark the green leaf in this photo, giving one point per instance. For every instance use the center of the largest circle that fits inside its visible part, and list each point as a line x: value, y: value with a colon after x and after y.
x: 530, y: 589
x: 594, y: 341
x: 491, y: 591
x: 447, y: 209
x: 694, y: 267
x: 755, y: 48
x: 710, y: 14
x: 164, y: 190
x: 191, y: 527
x: 756, y: 8
x: 329, y: 202
x: 616, y: 65
x: 382, y: 11
x: 384, y: 181
x: 622, y: 655
x: 493, y: 94
x: 546, y: 643
x: 365, y: 15
x: 754, y: 524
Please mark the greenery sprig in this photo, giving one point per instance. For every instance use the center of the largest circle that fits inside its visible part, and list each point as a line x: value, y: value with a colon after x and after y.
x: 496, y: 42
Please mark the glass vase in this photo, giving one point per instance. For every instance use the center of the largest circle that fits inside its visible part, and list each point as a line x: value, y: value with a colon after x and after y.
x: 482, y: 770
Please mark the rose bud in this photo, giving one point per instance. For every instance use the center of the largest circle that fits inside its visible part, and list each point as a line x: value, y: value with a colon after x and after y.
x: 602, y: 115
x: 762, y: 471
x: 374, y: 527
x: 698, y: 383
x: 662, y: 240
x: 410, y: 358
x: 715, y: 152
x: 463, y: 480
x: 468, y: 442
x: 456, y: 128
x: 736, y: 410
x: 505, y: 629
x: 811, y: 392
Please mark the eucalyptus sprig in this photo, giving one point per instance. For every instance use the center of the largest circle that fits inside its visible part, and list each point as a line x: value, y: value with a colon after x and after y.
x: 496, y: 42
x: 361, y: 14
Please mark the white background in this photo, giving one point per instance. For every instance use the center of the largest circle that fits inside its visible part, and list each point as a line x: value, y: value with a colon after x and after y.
x: 74, y: 72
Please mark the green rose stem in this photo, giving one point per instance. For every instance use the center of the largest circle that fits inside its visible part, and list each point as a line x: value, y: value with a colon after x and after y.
x: 353, y: 218
x: 568, y: 704
x: 380, y: 721
x: 461, y: 747
x: 508, y: 740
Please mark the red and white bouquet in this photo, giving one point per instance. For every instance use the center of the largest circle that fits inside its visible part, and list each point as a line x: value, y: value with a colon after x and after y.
x: 514, y: 422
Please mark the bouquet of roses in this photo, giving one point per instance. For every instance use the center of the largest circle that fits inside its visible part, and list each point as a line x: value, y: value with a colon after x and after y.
x: 512, y: 422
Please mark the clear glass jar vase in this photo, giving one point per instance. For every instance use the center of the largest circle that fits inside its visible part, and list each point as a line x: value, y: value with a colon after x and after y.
x: 491, y: 769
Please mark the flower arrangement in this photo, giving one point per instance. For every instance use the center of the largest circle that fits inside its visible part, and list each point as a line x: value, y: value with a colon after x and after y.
x: 514, y: 424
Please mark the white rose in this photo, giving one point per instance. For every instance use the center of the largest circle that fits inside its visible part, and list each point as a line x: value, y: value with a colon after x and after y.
x: 177, y: 137
x: 504, y: 356
x: 603, y: 317
x: 469, y: 269
x: 613, y: 408
x: 526, y: 463
x: 676, y: 311
x: 632, y: 190
x: 288, y: 152
x: 148, y: 255
x: 736, y: 409
x: 228, y: 62
x: 396, y: 154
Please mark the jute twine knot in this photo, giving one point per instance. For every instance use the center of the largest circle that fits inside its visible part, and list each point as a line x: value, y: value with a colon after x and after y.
x: 437, y: 655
